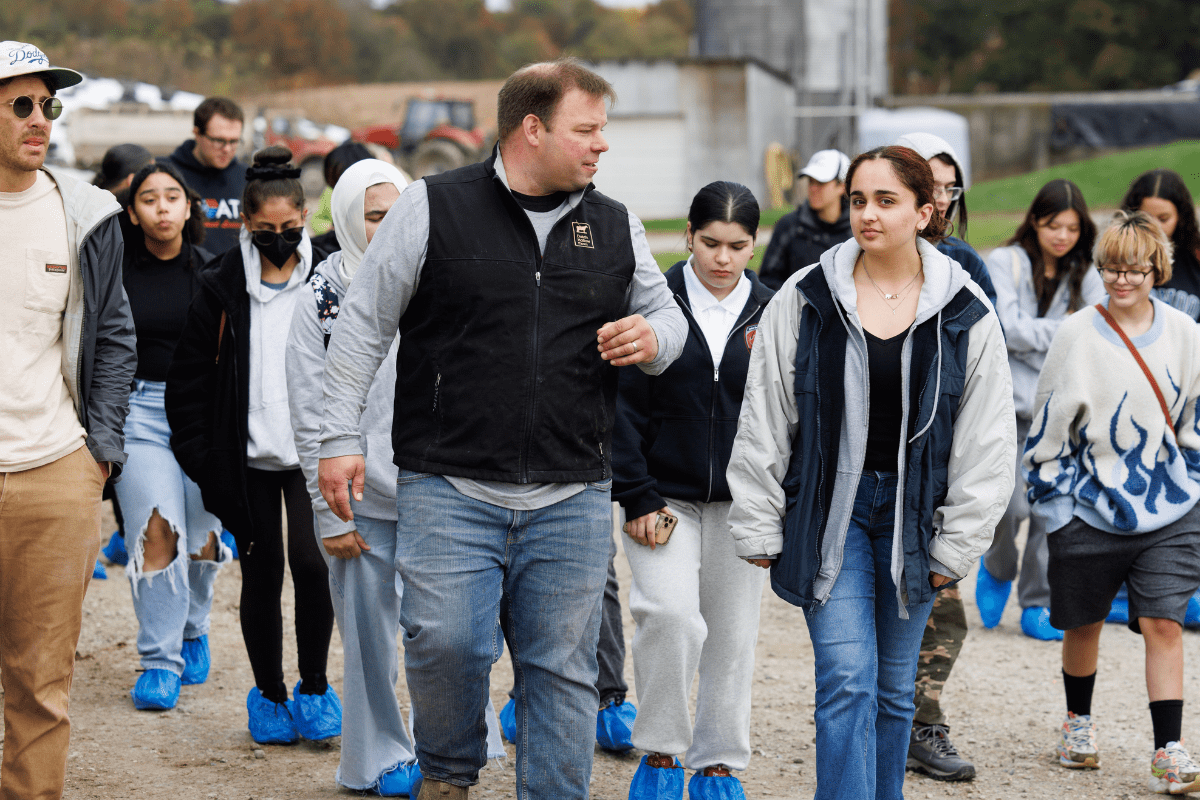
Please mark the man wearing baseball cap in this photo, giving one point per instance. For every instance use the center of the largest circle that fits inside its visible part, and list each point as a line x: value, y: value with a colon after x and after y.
x: 67, y: 358
x: 822, y: 221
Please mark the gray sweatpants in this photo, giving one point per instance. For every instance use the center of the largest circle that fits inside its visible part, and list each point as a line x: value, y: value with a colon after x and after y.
x: 1001, y: 559
x: 696, y: 607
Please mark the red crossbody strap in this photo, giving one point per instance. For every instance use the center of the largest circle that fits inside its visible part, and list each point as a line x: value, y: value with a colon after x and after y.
x: 1162, y: 401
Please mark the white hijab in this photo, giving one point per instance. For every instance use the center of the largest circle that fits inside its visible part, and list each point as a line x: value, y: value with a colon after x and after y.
x: 348, y: 203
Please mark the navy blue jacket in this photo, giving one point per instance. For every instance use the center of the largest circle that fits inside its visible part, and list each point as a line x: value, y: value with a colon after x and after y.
x: 969, y: 260
x: 674, y: 432
x: 820, y: 396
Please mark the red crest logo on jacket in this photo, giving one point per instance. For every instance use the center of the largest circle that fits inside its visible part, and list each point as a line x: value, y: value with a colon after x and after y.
x: 750, y: 332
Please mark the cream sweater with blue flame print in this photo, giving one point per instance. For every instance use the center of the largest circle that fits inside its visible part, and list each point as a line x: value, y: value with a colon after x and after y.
x: 1099, y: 448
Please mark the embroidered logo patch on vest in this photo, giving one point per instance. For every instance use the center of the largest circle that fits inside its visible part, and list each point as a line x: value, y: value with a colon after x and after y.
x: 583, y: 234
x: 58, y: 269
x: 751, y: 331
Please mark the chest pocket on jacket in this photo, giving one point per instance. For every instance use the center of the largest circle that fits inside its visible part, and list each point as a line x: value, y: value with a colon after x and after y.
x: 47, y: 281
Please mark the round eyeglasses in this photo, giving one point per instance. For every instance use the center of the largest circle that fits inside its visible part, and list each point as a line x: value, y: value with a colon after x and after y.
x: 52, y: 107
x: 1134, y: 277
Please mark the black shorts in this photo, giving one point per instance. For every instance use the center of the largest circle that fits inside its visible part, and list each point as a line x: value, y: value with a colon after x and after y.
x: 1087, y: 567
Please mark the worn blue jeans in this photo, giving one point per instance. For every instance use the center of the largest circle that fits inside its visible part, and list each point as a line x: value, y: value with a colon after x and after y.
x: 866, y: 659
x: 171, y: 604
x: 460, y: 558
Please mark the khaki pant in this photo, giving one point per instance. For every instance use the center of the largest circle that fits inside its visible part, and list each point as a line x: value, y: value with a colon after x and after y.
x: 49, y: 538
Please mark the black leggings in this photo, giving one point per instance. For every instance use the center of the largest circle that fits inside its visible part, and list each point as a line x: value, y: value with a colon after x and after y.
x: 261, y: 553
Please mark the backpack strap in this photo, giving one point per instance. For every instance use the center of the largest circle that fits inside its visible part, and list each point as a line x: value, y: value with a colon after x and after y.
x: 1162, y: 401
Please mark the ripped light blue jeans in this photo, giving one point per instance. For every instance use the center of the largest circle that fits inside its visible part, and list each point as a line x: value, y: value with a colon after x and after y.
x: 171, y: 604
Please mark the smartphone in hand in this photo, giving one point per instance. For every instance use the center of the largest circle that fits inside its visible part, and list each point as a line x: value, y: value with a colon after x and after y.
x: 664, y: 526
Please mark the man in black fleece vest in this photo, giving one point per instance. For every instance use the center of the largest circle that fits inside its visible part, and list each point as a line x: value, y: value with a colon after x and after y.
x: 515, y: 286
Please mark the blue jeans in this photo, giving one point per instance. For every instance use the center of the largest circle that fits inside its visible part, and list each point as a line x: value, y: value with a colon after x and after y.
x: 171, y: 604
x: 459, y: 558
x: 866, y: 659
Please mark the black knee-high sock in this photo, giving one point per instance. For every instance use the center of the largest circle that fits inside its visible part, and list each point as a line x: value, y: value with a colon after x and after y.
x: 1167, y: 718
x: 1079, y: 693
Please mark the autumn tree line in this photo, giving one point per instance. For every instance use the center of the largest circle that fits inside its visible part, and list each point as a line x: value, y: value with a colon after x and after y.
x: 210, y: 46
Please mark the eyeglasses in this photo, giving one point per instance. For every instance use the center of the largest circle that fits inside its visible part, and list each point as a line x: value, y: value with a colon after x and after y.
x: 1134, y: 277
x: 222, y: 143
x: 268, y: 238
x: 951, y: 192
x: 52, y: 107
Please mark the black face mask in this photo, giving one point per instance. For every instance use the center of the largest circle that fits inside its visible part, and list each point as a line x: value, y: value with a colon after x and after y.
x: 277, y: 248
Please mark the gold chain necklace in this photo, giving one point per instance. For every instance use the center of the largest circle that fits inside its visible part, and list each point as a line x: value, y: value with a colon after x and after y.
x: 887, y: 298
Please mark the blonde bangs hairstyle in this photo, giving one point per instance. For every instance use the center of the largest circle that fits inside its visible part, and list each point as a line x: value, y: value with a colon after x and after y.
x: 1134, y: 239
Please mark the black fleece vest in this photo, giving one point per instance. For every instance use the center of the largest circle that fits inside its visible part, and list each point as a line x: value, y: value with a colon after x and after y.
x: 498, y: 375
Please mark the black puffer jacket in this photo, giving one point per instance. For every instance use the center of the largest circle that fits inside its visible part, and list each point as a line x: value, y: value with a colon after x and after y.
x: 798, y: 240
x: 674, y: 432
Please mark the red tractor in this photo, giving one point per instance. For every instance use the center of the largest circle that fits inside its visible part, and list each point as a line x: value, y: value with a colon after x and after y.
x: 435, y: 136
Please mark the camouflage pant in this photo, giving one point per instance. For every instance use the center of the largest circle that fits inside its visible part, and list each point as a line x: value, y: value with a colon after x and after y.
x: 940, y: 646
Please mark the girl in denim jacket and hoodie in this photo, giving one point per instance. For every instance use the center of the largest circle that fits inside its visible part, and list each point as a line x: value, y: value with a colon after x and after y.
x: 873, y: 459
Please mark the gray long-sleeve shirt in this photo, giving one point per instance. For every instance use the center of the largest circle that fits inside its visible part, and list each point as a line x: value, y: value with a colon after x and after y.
x: 386, y: 282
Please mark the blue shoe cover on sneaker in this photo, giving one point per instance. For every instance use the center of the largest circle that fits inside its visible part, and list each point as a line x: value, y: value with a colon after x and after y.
x: 196, y: 661
x: 614, y: 726
x: 156, y: 690
x: 270, y: 723
x: 398, y: 782
x: 508, y: 720
x: 115, y: 550
x: 1035, y: 622
x: 99, y: 573
x: 1192, y: 620
x: 655, y: 783
x: 228, y: 541
x: 318, y: 716
x: 991, y: 596
x: 716, y: 787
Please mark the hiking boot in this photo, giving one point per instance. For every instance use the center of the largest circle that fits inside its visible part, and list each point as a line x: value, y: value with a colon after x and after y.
x: 1077, y: 745
x: 1173, y: 772
x: 930, y: 752
x: 429, y: 789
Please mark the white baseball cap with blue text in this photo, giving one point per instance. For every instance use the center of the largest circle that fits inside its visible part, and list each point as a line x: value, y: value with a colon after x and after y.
x: 19, y: 58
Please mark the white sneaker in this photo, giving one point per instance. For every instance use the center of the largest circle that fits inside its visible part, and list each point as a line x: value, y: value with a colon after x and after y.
x: 1077, y: 746
x: 1172, y: 770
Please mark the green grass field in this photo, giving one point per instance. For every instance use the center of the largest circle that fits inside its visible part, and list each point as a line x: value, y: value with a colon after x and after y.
x: 997, y: 206
x: 1103, y: 180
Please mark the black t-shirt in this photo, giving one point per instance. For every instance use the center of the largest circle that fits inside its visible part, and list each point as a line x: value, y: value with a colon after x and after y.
x: 159, y: 295
x: 541, y: 204
x: 883, y: 431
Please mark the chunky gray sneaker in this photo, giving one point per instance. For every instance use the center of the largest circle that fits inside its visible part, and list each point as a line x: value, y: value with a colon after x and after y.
x: 930, y: 752
x: 1077, y: 744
